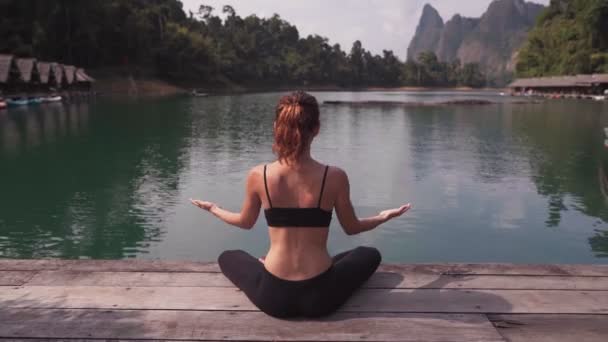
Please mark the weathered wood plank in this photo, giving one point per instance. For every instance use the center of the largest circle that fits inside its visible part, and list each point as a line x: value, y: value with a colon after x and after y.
x: 241, y: 326
x: 12, y: 278
x: 130, y: 265
x: 380, y: 280
x: 133, y: 265
x: 552, y: 328
x: 501, y: 269
x: 81, y: 340
x: 367, y: 300
x: 129, y: 279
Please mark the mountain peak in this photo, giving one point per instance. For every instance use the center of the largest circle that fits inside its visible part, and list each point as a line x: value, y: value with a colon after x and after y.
x: 431, y: 16
x: 490, y: 40
x: 428, y: 32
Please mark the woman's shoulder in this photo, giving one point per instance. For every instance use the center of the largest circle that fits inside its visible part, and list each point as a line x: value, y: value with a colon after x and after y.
x: 336, y: 174
x: 335, y: 170
x: 257, y: 170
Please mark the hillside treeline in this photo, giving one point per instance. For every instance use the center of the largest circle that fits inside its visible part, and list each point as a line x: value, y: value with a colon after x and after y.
x: 211, y: 46
x: 570, y: 37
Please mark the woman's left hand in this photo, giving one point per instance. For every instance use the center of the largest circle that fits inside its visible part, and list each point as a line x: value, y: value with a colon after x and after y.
x: 393, y: 213
x: 203, y: 205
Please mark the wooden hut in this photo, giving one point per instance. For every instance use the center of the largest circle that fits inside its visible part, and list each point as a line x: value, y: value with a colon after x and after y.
x: 600, y: 83
x: 70, y: 74
x: 26, y: 69
x: 44, y: 72
x: 57, y: 72
x: 6, y: 70
x: 578, y: 85
x: 83, y: 80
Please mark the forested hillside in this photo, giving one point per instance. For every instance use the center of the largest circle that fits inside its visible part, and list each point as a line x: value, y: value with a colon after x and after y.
x: 211, y: 46
x: 570, y: 37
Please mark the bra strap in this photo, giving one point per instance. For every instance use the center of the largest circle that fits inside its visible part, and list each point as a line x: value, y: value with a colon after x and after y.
x: 266, y: 186
x: 323, y: 186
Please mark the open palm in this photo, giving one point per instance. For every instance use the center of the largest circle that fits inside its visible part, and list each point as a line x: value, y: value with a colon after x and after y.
x: 392, y: 213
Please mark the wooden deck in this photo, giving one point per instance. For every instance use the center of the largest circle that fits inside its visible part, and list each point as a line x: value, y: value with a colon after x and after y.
x: 153, y: 300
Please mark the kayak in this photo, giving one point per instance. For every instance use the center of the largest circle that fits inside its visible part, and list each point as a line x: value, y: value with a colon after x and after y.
x: 34, y: 100
x: 17, y: 102
x: 51, y: 99
x: 196, y: 93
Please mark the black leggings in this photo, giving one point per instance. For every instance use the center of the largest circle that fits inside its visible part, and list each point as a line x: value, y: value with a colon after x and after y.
x: 316, y: 297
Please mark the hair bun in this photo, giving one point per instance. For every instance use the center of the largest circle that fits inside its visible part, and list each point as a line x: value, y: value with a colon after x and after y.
x: 296, y: 123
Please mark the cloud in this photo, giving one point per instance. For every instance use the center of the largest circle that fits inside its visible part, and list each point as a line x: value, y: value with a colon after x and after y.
x: 379, y: 24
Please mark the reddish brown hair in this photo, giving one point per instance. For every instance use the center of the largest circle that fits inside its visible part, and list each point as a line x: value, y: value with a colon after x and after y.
x: 297, y: 118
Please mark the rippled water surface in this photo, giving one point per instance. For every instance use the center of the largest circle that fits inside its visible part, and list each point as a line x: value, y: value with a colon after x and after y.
x: 500, y: 183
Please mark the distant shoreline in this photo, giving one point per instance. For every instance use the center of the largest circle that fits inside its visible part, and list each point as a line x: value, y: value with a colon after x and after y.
x: 153, y: 87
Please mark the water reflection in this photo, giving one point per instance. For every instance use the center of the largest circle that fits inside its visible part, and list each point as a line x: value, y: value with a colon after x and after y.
x: 69, y: 191
x: 506, y: 183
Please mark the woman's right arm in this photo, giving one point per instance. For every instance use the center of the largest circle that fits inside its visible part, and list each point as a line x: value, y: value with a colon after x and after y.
x: 351, y: 224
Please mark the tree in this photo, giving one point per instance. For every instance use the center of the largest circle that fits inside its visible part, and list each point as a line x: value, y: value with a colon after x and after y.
x: 569, y: 38
x: 158, y: 37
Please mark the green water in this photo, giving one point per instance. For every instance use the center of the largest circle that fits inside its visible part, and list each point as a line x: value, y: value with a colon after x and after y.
x: 508, y: 183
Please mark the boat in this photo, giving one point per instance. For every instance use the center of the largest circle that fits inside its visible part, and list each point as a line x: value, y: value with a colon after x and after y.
x: 34, y: 100
x: 599, y: 98
x: 17, y: 101
x: 198, y: 93
x: 52, y: 98
x: 3, y: 104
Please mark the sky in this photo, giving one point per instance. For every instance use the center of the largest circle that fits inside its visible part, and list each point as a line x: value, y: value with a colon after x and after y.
x: 378, y: 24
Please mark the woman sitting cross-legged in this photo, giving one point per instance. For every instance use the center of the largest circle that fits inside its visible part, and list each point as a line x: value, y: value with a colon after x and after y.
x: 298, y: 277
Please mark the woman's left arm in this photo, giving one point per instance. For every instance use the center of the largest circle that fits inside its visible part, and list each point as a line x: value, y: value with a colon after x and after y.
x: 251, y: 206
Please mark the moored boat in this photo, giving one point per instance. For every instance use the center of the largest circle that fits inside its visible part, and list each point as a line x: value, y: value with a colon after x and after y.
x: 197, y: 93
x: 52, y: 98
x: 17, y: 101
x: 34, y: 100
x: 3, y: 104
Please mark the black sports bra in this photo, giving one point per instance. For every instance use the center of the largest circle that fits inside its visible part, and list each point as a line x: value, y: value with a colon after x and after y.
x: 297, y: 217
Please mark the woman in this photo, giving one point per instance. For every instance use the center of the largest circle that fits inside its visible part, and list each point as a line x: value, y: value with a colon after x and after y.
x: 298, y: 278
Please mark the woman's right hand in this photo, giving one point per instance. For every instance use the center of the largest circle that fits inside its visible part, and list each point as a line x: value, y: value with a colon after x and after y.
x: 393, y: 213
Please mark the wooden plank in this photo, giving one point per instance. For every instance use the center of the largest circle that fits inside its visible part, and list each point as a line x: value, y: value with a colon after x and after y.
x: 480, y: 301
x: 380, y: 280
x: 12, y: 278
x: 367, y: 300
x: 129, y: 279
x: 390, y: 280
x: 501, y: 269
x: 133, y: 265
x: 241, y: 326
x: 552, y: 328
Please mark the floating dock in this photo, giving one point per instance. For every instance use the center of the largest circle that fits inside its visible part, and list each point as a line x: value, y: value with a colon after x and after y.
x: 188, y: 301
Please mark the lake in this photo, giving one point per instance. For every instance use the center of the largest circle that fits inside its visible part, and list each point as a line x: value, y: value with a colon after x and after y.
x: 521, y: 183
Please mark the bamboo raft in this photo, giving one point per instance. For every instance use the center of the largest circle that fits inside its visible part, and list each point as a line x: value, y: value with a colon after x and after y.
x: 154, y: 300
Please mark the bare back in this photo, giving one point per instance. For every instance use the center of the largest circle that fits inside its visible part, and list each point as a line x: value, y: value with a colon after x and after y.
x: 298, y: 253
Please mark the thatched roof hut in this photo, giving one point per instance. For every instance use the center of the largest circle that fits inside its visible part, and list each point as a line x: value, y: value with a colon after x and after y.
x: 6, y: 63
x: 578, y: 81
x: 70, y: 73
x: 26, y: 68
x: 57, y: 71
x: 599, y: 79
x: 82, y: 77
x: 44, y: 71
